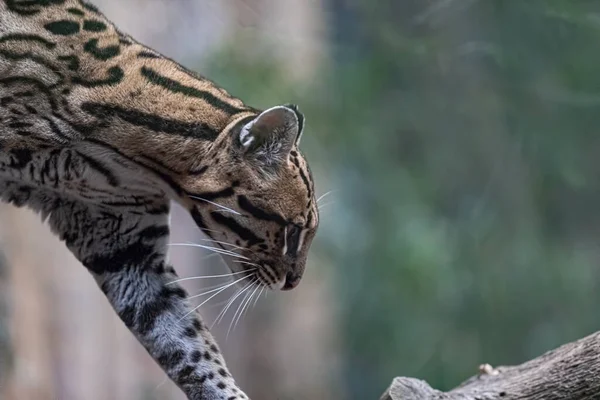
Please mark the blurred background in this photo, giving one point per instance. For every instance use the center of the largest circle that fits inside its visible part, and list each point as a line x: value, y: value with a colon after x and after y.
x: 458, y: 141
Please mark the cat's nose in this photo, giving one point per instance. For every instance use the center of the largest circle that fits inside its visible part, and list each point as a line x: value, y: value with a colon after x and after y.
x: 291, y: 281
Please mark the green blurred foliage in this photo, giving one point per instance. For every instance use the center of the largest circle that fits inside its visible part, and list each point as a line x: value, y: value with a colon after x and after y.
x: 460, y: 137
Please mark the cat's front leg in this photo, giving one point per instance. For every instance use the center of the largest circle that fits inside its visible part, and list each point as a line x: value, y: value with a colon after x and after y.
x: 156, y: 311
x: 125, y: 251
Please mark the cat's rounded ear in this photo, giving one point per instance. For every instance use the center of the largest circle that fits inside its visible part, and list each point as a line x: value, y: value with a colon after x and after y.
x: 269, y: 137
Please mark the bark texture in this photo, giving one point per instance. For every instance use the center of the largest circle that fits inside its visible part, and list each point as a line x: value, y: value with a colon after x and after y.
x: 571, y: 372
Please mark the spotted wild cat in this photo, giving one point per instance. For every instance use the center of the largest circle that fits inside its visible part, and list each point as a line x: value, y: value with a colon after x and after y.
x: 98, y: 133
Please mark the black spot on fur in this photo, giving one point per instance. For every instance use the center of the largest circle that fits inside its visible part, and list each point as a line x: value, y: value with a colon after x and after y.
x: 190, y: 332
x: 153, y: 232
x: 150, y: 312
x: 94, y: 26
x: 199, y: 171
x: 20, y: 158
x: 171, y: 360
x: 147, y: 54
x: 75, y: 11
x: 185, y: 373
x: 173, y: 292
x: 196, y: 356
x: 73, y: 63
x: 101, y: 53
x: 115, y: 75
x: 128, y: 316
x: 6, y: 100
x: 197, y: 325
x: 221, y: 385
x: 20, y: 125
x: 64, y: 27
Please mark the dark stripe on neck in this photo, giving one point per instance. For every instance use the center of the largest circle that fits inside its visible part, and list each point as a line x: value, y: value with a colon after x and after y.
x: 147, y: 54
x: 243, y: 232
x: 258, y: 213
x: 177, y: 87
x: 306, y: 183
x: 228, y: 192
x: 110, y: 177
x: 153, y: 122
x: 27, y: 38
x: 114, y: 76
x: 167, y: 179
x: 195, y: 213
x: 154, y: 232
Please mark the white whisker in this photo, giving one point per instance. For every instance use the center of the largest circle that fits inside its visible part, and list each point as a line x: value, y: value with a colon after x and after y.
x: 209, y: 276
x: 205, y: 301
x: 211, y: 255
x: 324, y: 195
x: 225, y: 243
x: 245, y: 307
x: 213, y: 286
x: 224, y: 310
x: 212, y: 290
x: 211, y: 230
x: 217, y: 205
x: 210, y: 248
x: 246, y: 263
x: 237, y: 311
x: 235, y: 297
x: 219, y: 304
x: 258, y: 297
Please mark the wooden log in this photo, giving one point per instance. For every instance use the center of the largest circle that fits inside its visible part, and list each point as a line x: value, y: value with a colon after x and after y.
x: 571, y: 372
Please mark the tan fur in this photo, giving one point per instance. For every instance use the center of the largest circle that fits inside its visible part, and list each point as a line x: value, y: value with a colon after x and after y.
x: 282, y: 191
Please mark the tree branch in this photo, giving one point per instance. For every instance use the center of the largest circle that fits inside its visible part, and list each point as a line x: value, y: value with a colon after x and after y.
x: 571, y: 371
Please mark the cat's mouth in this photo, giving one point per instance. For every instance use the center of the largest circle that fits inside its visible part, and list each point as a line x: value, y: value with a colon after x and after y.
x: 257, y: 272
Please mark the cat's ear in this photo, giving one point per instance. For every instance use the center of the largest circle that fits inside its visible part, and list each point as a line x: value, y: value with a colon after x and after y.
x: 270, y: 137
x: 301, y: 120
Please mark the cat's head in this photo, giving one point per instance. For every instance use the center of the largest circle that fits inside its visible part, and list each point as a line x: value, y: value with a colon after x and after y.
x: 257, y: 202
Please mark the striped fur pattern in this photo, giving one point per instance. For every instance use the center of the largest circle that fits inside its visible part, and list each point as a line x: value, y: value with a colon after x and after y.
x: 98, y: 134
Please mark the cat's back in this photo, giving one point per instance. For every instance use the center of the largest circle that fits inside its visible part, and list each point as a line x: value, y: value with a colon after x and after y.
x: 51, y: 53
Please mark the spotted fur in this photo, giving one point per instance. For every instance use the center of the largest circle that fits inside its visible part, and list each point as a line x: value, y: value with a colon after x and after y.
x: 98, y: 133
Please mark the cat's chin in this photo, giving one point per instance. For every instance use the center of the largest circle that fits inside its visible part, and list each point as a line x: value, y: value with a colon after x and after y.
x: 242, y: 273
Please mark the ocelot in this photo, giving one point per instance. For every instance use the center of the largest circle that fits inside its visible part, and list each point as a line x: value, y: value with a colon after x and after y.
x: 98, y: 133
